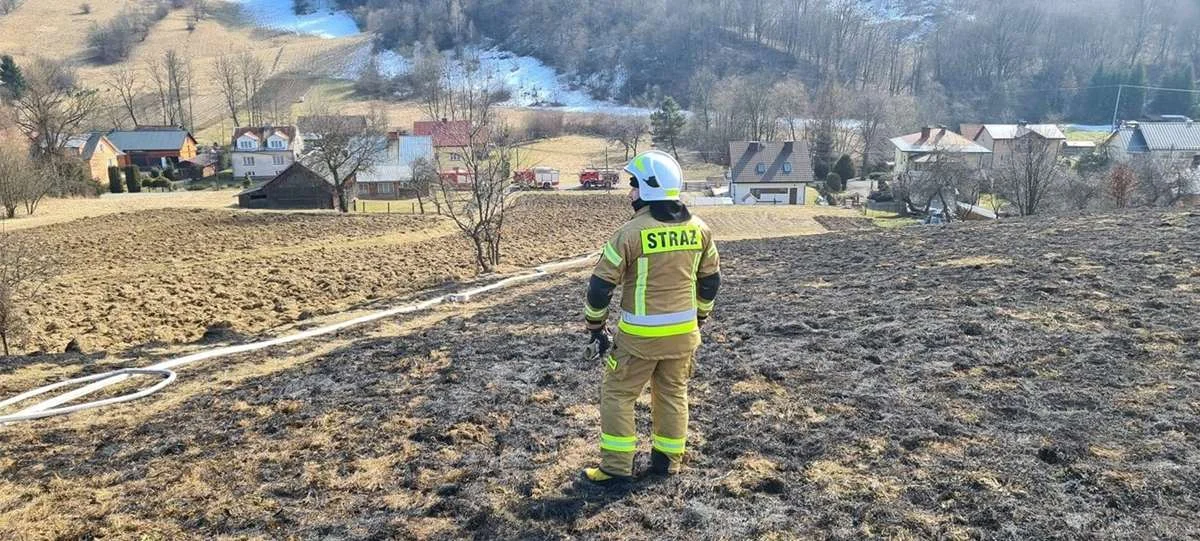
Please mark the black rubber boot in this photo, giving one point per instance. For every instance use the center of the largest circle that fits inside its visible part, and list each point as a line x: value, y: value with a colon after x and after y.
x: 660, y: 464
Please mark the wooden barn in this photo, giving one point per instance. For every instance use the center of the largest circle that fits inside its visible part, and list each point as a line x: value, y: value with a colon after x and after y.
x: 297, y: 187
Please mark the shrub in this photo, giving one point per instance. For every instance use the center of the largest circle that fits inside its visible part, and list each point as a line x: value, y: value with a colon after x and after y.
x: 134, y: 183
x: 246, y: 183
x: 131, y: 171
x: 155, y: 172
x: 844, y: 167
x: 833, y: 182
x: 85, y: 8
x: 171, y: 173
x: 114, y: 180
x: 197, y: 186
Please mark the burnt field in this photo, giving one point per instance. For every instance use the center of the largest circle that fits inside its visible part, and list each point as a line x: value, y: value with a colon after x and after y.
x: 1027, y: 379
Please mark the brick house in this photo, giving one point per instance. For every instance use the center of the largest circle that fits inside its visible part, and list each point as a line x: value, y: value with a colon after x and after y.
x: 97, y: 152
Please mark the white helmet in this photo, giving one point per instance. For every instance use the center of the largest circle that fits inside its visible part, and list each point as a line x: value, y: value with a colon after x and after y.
x: 658, y: 175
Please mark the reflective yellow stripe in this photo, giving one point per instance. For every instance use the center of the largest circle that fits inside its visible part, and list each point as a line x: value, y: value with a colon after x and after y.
x: 657, y: 332
x: 612, y: 362
x: 593, y: 313
x: 704, y: 306
x: 639, y: 293
x: 712, y: 250
x: 620, y: 444
x: 672, y: 446
x: 695, y: 269
x: 611, y: 254
x: 672, y: 192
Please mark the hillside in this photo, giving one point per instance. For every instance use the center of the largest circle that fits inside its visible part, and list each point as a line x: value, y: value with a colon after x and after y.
x: 1028, y: 379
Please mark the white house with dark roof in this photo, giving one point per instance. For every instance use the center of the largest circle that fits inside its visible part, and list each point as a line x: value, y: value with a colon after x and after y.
x: 771, y: 172
x: 265, y: 152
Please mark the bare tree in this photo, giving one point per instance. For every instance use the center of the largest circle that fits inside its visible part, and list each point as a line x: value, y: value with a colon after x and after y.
x: 1122, y: 182
x: 162, y: 87
x: 945, y: 179
x: 24, y: 270
x: 125, y: 83
x: 53, y: 106
x: 344, y: 145
x: 879, y: 115
x: 1029, y: 175
x: 253, y: 75
x: 15, y: 170
x: 791, y: 106
x: 425, y: 177
x: 626, y: 131
x: 479, y: 209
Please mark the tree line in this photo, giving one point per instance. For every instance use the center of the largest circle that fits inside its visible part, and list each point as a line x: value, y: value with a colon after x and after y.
x: 965, y: 60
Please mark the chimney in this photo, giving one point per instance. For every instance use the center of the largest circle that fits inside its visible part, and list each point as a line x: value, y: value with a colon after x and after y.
x: 1022, y: 123
x: 444, y: 120
x: 925, y: 132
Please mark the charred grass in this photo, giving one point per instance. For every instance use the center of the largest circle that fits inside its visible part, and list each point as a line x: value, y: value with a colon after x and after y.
x: 1027, y: 380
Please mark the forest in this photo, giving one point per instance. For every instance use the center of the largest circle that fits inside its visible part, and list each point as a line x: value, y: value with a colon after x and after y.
x: 961, y: 60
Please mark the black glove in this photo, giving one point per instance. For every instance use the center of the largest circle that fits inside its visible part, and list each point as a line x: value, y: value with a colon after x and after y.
x: 602, y: 342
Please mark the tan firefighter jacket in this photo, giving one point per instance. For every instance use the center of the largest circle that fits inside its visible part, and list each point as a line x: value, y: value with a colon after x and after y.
x: 657, y: 265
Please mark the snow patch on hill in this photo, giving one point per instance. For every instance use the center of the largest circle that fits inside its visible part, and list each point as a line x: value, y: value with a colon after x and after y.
x: 531, y: 82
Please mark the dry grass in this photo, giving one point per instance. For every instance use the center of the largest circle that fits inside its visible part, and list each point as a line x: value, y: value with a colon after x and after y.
x: 53, y: 211
x: 739, y: 222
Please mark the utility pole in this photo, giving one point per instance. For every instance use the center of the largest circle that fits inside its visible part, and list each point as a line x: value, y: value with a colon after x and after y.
x: 1117, y: 106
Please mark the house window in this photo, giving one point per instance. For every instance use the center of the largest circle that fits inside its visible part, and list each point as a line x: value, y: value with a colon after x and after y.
x: 246, y: 144
x: 250, y: 174
x: 278, y: 160
x: 761, y: 168
x: 364, y: 189
x: 275, y: 143
x: 247, y: 160
x: 1195, y: 161
x: 787, y: 167
x: 386, y: 187
x: 455, y: 157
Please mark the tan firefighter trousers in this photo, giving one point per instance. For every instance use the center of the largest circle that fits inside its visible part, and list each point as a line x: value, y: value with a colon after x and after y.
x: 624, y: 378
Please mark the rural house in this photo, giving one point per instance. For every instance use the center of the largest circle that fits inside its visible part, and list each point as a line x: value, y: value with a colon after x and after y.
x: 265, y: 152
x: 918, y: 151
x: 392, y: 175
x: 774, y: 172
x: 1003, y: 140
x: 97, y: 152
x: 310, y: 127
x: 451, y: 141
x: 155, y: 146
x: 1176, y: 142
x: 297, y: 187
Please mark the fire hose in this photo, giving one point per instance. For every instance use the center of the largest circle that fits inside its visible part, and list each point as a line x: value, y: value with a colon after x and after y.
x: 55, y: 406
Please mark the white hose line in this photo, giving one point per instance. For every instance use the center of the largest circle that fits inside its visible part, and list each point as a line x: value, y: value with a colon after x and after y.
x: 23, y: 416
x: 51, y: 407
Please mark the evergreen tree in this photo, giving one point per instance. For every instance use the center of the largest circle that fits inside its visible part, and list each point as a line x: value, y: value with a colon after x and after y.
x: 1167, y: 102
x: 822, y: 153
x: 844, y: 167
x: 11, y: 77
x: 666, y: 124
x: 114, y: 180
x: 1133, y: 100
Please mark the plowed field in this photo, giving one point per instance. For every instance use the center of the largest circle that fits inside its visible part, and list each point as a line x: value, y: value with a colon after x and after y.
x: 1024, y: 380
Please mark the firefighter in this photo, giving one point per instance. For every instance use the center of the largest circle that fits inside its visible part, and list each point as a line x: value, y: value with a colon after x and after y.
x: 667, y: 265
